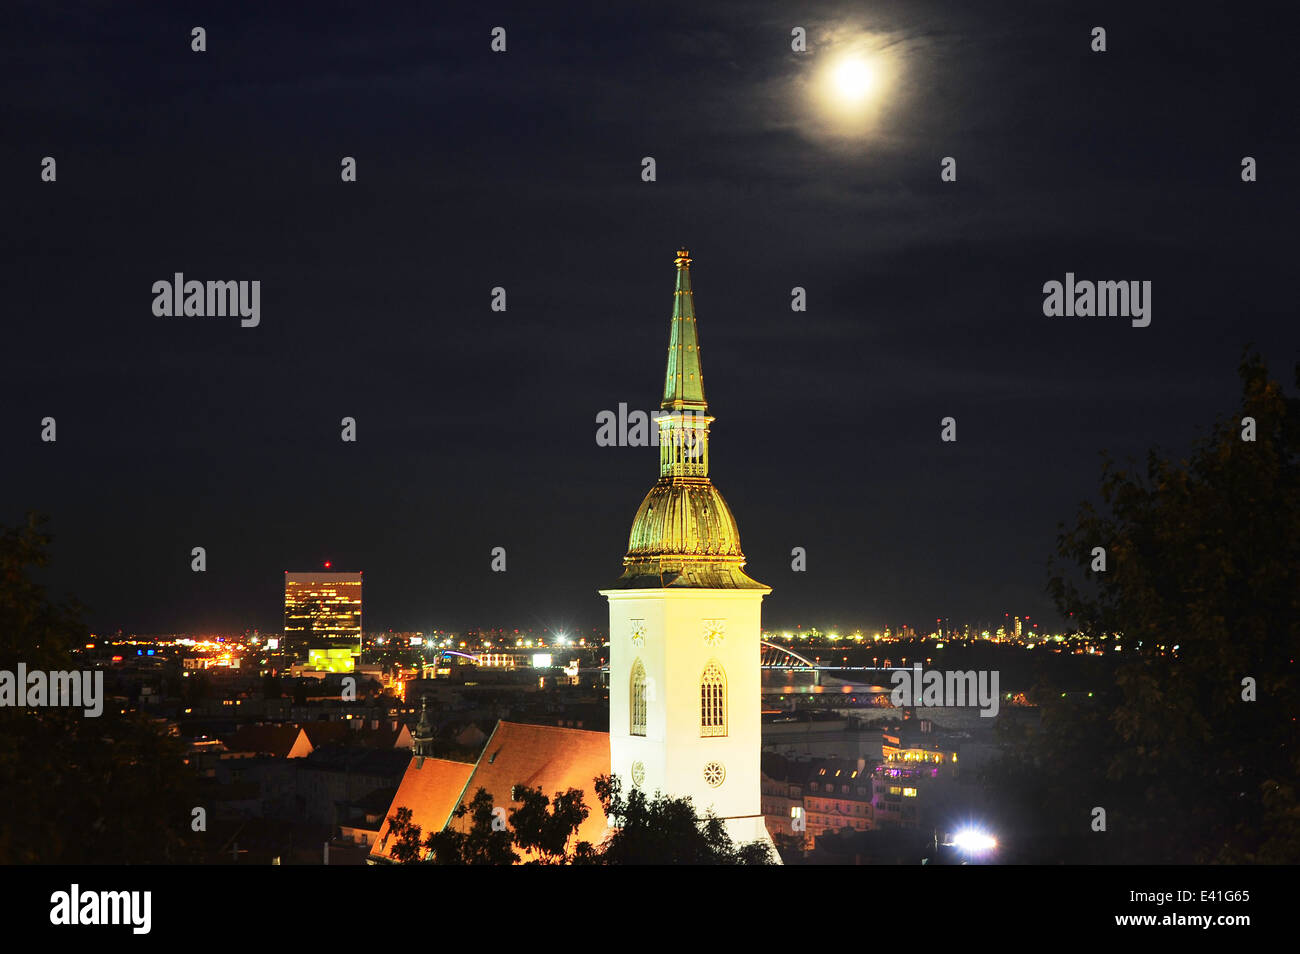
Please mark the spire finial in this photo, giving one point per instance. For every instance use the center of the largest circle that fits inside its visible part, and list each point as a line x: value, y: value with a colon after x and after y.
x: 684, y: 384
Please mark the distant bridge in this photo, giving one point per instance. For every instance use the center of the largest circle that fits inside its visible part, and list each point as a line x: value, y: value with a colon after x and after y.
x: 782, y: 657
x: 863, y: 679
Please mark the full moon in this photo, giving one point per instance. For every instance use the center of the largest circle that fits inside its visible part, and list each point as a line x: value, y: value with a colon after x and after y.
x: 854, y: 86
x: 854, y: 79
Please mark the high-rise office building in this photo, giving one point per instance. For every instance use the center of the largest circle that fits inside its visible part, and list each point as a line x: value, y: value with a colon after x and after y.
x: 322, y: 619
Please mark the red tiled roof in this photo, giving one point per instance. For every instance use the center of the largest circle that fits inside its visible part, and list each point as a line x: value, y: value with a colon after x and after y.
x: 351, y: 732
x: 322, y: 733
x: 430, y: 788
x: 276, y: 740
x: 548, y: 757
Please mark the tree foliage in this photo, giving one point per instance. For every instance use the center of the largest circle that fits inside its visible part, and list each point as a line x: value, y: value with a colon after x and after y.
x: 407, y: 847
x: 658, y: 830
x: 486, y: 841
x: 546, y: 827
x: 1203, y: 554
x: 111, y: 789
x: 662, y: 830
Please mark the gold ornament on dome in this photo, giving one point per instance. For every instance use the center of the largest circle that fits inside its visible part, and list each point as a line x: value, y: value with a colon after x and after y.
x: 683, y: 534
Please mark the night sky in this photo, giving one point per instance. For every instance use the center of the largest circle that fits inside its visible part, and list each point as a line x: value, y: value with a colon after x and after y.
x: 476, y: 429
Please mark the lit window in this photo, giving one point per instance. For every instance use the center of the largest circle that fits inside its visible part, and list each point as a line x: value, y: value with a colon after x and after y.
x: 910, y: 792
x: 713, y: 701
x: 638, y: 699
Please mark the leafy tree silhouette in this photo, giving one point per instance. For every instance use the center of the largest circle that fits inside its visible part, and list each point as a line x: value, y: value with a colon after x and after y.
x: 1202, y: 554
x: 658, y: 830
x: 78, y: 790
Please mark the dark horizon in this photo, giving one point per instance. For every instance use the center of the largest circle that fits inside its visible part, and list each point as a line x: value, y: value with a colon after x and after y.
x: 476, y: 428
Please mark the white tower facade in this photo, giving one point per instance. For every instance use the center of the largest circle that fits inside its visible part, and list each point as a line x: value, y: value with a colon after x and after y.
x: 684, y: 619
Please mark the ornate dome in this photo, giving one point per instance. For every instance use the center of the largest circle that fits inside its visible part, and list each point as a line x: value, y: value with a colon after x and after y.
x: 684, y: 535
x: 684, y: 517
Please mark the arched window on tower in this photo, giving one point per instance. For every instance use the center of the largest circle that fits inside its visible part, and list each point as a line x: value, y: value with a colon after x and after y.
x: 638, y: 699
x: 713, y: 701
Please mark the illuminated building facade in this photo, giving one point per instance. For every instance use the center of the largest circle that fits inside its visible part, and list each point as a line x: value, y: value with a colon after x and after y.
x: 805, y: 798
x: 916, y: 778
x: 915, y: 740
x: 839, y: 795
x: 322, y: 619
x: 896, y: 788
x: 684, y: 618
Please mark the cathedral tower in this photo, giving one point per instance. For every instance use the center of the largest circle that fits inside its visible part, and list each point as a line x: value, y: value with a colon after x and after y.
x: 684, y: 654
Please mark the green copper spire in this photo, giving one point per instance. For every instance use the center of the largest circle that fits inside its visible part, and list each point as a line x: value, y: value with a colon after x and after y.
x: 684, y: 534
x: 684, y: 384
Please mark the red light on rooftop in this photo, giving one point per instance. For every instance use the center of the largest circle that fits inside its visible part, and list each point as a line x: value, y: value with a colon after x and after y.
x: 328, y: 564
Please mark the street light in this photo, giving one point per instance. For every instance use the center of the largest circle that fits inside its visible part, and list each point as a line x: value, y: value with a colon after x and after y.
x: 972, y: 841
